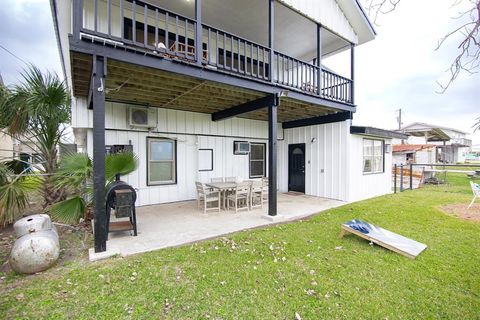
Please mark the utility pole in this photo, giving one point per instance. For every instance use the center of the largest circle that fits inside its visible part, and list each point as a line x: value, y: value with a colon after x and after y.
x: 399, y: 118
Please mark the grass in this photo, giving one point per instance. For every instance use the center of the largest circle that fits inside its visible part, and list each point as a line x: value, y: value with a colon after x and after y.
x: 275, y: 272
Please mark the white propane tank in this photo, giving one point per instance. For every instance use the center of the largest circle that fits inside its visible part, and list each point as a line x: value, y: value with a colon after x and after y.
x: 37, y: 247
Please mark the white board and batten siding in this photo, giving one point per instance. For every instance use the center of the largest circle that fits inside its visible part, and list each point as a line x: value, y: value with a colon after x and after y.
x: 328, y: 13
x: 333, y: 157
x: 334, y: 163
x: 192, y: 131
x: 367, y: 185
x: 326, y: 159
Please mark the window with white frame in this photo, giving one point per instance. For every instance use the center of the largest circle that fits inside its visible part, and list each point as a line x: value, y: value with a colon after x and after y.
x: 161, y: 161
x: 257, y: 160
x: 373, y: 156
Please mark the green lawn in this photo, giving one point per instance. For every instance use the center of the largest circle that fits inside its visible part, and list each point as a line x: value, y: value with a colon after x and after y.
x: 274, y: 272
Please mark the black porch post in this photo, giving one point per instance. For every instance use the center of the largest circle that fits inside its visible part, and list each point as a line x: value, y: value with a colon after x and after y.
x: 319, y: 58
x: 198, y: 32
x: 77, y: 19
x: 352, y: 72
x: 271, y: 36
x: 272, y: 157
x: 98, y: 96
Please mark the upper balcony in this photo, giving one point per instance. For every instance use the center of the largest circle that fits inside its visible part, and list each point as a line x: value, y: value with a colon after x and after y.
x: 235, y: 38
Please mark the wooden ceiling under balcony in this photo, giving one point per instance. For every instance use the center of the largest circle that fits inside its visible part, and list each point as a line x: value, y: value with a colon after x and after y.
x: 135, y: 84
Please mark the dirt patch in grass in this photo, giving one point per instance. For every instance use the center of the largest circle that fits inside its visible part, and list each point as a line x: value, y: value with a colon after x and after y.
x: 461, y: 211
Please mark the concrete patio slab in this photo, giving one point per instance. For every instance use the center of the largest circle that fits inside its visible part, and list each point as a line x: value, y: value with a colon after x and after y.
x: 173, y: 224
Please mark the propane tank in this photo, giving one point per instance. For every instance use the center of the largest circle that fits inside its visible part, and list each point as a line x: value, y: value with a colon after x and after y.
x: 37, y: 247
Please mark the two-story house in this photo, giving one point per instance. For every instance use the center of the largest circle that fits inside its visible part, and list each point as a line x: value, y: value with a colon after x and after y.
x: 174, y: 79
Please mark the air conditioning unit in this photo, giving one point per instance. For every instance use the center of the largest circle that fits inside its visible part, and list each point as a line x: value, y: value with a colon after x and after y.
x: 142, y: 117
x: 241, y: 147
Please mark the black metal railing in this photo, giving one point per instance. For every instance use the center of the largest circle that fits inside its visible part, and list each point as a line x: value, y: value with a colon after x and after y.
x: 336, y: 87
x: 295, y: 73
x: 145, y: 26
x: 232, y: 53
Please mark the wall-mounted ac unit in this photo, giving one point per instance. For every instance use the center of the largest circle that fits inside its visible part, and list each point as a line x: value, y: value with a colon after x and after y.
x: 241, y: 147
x: 142, y: 117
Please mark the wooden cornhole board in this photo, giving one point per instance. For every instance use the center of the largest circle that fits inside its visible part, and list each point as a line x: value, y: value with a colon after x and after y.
x: 387, y: 239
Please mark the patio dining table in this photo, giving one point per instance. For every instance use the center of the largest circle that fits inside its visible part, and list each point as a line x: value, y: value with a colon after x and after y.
x: 223, y: 187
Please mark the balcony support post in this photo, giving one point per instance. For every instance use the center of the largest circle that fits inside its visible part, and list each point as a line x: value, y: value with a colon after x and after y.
x: 352, y: 73
x: 198, y: 32
x: 319, y: 59
x: 77, y: 22
x: 98, y: 97
x: 271, y: 37
x: 272, y: 156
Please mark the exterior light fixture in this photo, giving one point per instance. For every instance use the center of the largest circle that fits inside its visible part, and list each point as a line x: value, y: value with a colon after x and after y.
x: 388, y: 148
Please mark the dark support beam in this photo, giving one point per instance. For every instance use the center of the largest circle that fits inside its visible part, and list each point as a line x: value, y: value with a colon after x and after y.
x: 352, y: 72
x: 319, y: 58
x: 271, y: 36
x: 77, y: 18
x: 198, y: 32
x: 98, y: 95
x: 336, y: 117
x: 245, y: 107
x: 272, y: 158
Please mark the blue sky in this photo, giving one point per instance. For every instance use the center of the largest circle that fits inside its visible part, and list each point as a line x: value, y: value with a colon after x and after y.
x: 399, y: 69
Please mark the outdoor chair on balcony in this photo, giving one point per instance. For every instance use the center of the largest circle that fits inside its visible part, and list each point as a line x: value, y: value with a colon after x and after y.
x: 256, y: 194
x: 476, y: 192
x: 187, y: 50
x: 206, y: 196
x: 216, y: 179
x: 240, y: 197
x: 230, y: 179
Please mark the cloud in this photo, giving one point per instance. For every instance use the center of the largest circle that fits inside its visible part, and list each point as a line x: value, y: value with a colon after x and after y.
x: 26, y: 29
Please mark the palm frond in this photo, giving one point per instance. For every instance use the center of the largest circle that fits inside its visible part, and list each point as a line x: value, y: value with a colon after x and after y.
x: 121, y: 163
x: 13, y: 199
x: 68, y: 211
x: 73, y: 171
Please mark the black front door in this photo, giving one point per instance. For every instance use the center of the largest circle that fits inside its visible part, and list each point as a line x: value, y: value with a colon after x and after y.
x: 296, y: 167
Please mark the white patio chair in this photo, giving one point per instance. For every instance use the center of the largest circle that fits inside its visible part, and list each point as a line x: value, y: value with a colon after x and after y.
x: 256, y: 194
x: 220, y: 179
x: 240, y: 197
x: 265, y: 190
x: 230, y: 179
x: 207, y: 196
x: 476, y: 192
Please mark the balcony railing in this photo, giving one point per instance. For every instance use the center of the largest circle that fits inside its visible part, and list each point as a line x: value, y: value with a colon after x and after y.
x: 145, y: 26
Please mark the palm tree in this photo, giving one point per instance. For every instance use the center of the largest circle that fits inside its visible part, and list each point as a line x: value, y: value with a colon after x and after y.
x: 37, y: 110
x: 75, y: 174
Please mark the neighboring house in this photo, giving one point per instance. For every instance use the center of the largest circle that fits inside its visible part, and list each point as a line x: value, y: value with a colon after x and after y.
x: 414, y: 153
x: 452, y: 145
x: 6, y: 146
x: 202, y: 89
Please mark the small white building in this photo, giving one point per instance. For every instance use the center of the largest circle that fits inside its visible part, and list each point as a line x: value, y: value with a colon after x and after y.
x: 414, y: 153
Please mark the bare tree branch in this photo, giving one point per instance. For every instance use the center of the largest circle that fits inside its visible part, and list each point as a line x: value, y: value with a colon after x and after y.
x: 379, y: 7
x: 468, y: 58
